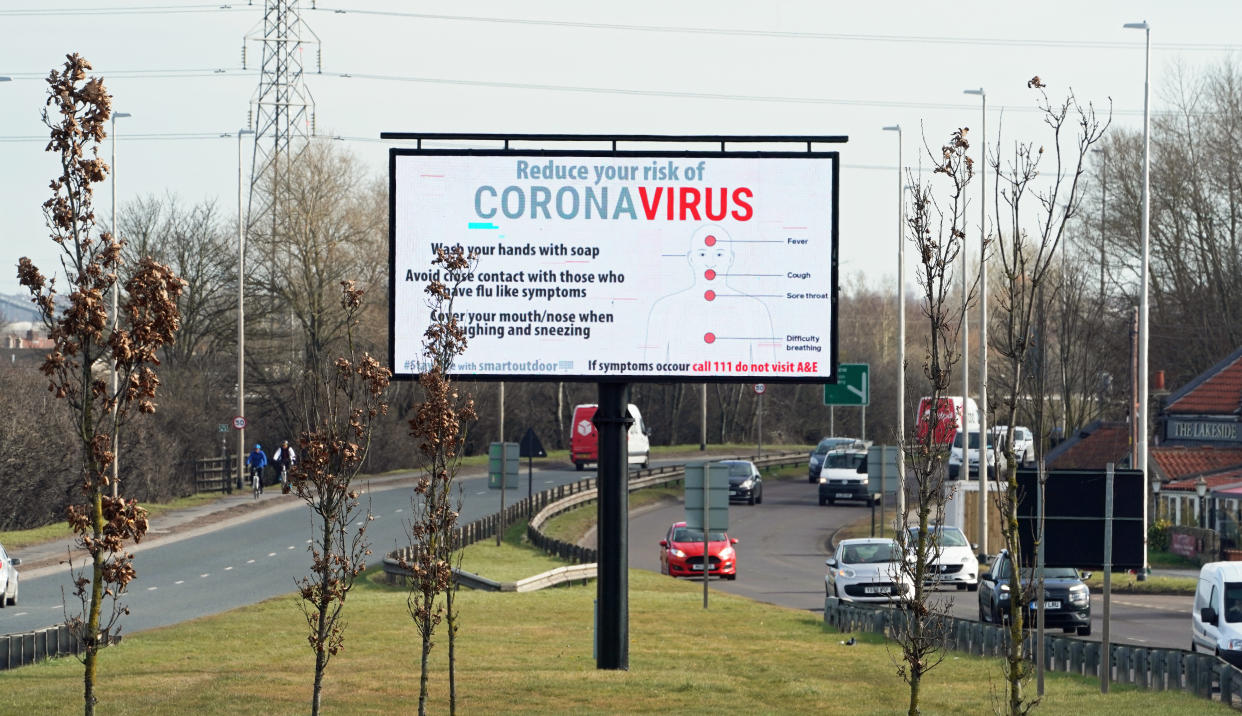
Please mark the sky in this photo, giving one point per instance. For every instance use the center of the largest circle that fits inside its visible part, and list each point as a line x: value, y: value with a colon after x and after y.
x: 640, y: 67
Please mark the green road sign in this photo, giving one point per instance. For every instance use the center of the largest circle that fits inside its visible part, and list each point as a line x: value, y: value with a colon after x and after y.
x: 852, y: 387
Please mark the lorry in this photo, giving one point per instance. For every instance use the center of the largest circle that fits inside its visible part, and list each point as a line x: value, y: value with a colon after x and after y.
x: 584, y: 438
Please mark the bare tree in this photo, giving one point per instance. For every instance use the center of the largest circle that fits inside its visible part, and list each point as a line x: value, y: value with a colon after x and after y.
x: 342, y: 403
x: 88, y: 340
x: 937, y: 232
x: 439, y: 427
x: 1027, y: 246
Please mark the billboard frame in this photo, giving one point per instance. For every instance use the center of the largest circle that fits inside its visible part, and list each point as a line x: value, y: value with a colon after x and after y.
x: 554, y: 145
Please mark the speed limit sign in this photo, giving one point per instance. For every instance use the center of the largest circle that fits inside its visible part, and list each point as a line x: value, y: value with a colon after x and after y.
x: 239, y: 422
x: 759, y: 388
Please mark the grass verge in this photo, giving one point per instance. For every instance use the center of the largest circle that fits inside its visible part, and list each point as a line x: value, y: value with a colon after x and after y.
x: 1126, y: 583
x: 16, y: 539
x: 531, y: 653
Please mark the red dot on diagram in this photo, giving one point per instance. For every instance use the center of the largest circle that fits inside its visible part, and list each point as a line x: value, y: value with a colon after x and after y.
x: 709, y: 337
x: 710, y: 240
x: 709, y: 274
x: 710, y: 295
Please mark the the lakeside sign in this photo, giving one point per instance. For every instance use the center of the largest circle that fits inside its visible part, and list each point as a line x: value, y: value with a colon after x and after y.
x: 1203, y: 431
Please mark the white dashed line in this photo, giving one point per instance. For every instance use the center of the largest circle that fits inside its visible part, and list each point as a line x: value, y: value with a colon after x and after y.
x: 250, y: 561
x: 292, y: 546
x: 205, y: 575
x: 179, y: 581
x: 58, y: 606
x: 21, y: 614
x: 228, y: 569
x: 399, y: 511
x: 481, y: 493
x: 308, y: 541
x: 152, y: 589
x: 271, y: 554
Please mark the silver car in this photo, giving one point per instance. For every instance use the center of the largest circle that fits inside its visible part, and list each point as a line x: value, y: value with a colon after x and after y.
x: 8, y: 578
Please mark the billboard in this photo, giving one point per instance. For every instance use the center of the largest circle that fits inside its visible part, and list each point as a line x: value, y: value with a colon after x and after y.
x: 699, y: 266
x: 1074, y: 524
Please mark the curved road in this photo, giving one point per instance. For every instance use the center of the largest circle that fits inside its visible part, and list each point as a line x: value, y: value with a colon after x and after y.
x: 781, y: 551
x: 782, y: 545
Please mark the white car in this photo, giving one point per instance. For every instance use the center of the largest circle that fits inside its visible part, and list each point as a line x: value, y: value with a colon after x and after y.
x: 867, y: 570
x: 953, y: 558
x: 1023, y: 442
x: 8, y: 578
x: 843, y: 476
x: 955, y: 456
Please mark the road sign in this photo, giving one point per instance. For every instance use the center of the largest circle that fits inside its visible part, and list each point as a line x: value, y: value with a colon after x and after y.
x: 224, y: 428
x: 530, y: 445
x: 717, y: 495
x: 502, y: 463
x: 852, y: 387
x: 759, y: 388
x: 239, y: 423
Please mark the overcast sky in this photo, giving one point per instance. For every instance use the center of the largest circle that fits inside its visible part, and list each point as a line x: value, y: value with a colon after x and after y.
x: 645, y: 67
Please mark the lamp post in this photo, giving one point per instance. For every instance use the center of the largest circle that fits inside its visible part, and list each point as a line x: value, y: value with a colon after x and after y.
x: 983, y: 323
x: 1144, y: 334
x: 901, y: 330
x: 1155, y: 496
x: 1201, y: 488
x: 116, y: 433
x: 241, y: 312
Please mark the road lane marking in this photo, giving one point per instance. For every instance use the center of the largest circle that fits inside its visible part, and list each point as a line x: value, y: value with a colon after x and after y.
x: 179, y: 581
x: 228, y: 569
x: 271, y: 554
x: 399, y: 511
x: 292, y: 546
x: 152, y: 589
x: 205, y: 575
x: 250, y: 561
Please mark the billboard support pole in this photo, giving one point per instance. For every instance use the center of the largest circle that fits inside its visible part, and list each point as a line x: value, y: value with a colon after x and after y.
x: 612, y: 420
x: 1106, y: 662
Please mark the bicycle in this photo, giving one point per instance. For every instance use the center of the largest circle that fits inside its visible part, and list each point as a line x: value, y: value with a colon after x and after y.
x: 256, y: 481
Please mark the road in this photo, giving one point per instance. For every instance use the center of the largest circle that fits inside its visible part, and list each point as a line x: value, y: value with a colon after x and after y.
x: 247, y: 560
x: 782, y: 545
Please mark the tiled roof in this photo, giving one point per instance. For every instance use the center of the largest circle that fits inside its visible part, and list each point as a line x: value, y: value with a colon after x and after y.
x: 1219, y: 479
x: 1174, y: 462
x: 1093, y: 447
x: 1216, y: 391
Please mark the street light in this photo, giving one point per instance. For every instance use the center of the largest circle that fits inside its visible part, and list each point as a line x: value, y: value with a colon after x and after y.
x: 901, y: 329
x: 1144, y: 335
x: 1201, y: 488
x: 116, y: 288
x: 241, y: 312
x: 1155, y: 493
x: 983, y: 324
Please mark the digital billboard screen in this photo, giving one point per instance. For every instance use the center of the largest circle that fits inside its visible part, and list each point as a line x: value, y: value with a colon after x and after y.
x: 697, y: 266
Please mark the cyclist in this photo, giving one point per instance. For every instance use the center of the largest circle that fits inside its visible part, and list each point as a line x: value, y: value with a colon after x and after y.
x: 256, y: 461
x: 283, y: 460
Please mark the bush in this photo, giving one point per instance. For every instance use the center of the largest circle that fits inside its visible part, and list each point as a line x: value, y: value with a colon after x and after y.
x: 1158, y: 536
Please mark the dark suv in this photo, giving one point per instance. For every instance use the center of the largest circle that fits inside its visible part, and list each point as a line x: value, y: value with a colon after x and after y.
x: 1067, y: 598
x: 817, y: 455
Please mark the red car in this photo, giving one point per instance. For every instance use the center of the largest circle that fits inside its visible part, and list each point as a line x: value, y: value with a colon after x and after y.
x: 681, y: 552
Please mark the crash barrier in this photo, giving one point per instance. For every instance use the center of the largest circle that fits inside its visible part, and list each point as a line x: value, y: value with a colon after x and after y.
x: 539, y: 508
x: 1203, y: 675
x: 27, y: 648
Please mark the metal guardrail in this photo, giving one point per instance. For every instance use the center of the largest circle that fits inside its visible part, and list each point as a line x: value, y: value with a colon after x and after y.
x: 1158, y: 669
x: 33, y: 646
x: 541, y: 507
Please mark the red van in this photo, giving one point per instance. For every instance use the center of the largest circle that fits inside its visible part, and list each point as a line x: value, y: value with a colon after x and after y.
x: 584, y: 440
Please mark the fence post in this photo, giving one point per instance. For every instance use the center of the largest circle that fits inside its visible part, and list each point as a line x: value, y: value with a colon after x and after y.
x: 1091, y: 658
x: 1226, y: 684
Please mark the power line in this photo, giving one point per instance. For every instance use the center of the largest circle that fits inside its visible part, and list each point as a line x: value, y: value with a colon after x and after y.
x: 130, y: 10
x: 788, y: 35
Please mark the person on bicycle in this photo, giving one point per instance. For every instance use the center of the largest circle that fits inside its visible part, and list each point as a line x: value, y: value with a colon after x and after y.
x: 257, y: 460
x: 283, y: 460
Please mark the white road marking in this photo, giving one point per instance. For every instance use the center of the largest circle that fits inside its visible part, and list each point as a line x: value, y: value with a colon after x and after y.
x: 21, y: 614
x: 292, y: 546
x: 271, y: 554
x: 228, y: 569
x: 399, y: 511
x: 250, y: 561
x: 308, y: 541
x: 482, y: 492
x: 204, y: 576
x: 152, y: 589
x: 58, y: 606
x: 179, y: 581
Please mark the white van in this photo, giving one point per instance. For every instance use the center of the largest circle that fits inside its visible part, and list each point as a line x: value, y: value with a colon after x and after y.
x: 1216, y: 624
